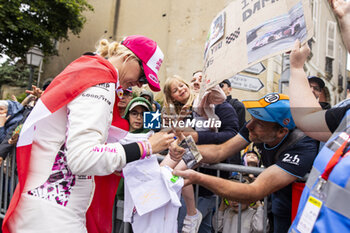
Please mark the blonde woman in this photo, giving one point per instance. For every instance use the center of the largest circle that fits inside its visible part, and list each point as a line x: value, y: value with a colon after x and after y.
x: 62, y: 146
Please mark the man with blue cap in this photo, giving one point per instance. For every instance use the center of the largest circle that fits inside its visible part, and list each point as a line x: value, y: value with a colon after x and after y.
x: 286, y: 152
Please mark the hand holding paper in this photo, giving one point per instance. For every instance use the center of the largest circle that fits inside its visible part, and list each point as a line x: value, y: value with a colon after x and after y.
x: 189, y: 176
x: 340, y: 7
x: 192, y: 156
x: 299, y: 55
x: 175, y: 151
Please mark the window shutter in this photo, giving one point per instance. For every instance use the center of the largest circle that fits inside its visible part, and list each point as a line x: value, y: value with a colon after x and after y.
x: 330, y: 43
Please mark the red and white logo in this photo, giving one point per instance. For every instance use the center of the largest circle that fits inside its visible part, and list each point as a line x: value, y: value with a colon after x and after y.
x: 153, y: 78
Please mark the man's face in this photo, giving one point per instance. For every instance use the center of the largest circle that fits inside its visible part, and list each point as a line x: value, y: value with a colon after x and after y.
x: 262, y: 131
x: 227, y: 90
x: 316, y: 89
x: 196, y: 81
x: 123, y: 102
x: 147, y: 97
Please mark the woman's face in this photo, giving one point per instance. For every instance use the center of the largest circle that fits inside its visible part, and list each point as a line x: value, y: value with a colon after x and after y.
x: 129, y: 73
x: 179, y: 92
x: 3, y: 110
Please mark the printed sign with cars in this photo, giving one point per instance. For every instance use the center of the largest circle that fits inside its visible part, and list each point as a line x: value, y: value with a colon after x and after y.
x: 249, y: 31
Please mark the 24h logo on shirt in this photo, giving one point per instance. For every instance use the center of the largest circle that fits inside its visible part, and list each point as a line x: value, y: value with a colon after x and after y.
x: 291, y: 159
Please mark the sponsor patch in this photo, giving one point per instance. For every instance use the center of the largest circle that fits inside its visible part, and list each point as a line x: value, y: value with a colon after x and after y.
x: 153, y: 78
x: 272, y: 98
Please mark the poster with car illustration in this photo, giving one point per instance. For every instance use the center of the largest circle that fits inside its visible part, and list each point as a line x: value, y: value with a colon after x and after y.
x: 276, y: 34
x: 251, y: 31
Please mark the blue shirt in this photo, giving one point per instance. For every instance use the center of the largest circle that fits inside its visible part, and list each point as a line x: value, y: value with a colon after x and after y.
x: 296, y: 160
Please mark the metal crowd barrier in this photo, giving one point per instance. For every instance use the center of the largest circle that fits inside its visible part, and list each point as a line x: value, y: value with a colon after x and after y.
x: 218, y: 167
x: 240, y: 170
x: 9, y: 180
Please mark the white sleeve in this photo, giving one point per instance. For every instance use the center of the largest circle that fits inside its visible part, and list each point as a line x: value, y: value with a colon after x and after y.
x: 89, y: 118
x: 219, y: 224
x: 257, y: 223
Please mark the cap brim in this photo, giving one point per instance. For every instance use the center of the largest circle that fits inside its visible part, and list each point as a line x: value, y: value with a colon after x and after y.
x: 317, y: 80
x: 261, y: 114
x: 152, y: 78
x: 138, y: 103
x: 256, y: 108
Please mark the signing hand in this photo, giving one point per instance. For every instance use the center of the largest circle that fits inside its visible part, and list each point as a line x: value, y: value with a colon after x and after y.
x: 299, y: 55
x: 161, y: 141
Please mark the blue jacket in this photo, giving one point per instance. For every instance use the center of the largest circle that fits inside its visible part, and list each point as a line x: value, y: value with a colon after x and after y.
x: 229, y: 126
x: 15, y: 110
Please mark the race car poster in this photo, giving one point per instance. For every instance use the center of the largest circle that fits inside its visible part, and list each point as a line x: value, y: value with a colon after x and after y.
x: 276, y: 34
x: 254, y: 30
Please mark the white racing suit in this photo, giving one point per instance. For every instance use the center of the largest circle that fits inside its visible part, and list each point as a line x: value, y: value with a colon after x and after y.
x: 67, y: 151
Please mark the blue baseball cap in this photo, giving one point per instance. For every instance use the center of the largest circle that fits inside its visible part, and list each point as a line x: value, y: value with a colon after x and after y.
x: 273, y: 107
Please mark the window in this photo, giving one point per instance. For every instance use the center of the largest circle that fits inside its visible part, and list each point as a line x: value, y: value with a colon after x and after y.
x: 329, y: 67
x: 278, y: 64
x: 330, y: 42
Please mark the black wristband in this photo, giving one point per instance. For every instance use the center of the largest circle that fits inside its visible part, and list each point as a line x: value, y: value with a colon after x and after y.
x: 132, y: 152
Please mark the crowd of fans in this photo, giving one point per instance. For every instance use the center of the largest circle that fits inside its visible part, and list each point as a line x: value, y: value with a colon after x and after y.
x: 270, y: 139
x: 181, y: 102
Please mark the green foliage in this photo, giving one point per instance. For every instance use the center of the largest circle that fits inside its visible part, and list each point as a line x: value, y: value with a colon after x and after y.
x: 14, y: 73
x: 21, y: 97
x: 25, y: 23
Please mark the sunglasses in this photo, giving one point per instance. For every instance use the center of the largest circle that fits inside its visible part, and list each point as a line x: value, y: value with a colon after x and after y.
x: 316, y: 88
x: 142, y: 79
x: 127, y: 94
x: 221, y: 85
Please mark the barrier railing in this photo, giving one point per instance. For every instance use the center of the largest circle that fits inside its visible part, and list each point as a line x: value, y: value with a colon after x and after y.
x: 218, y: 167
x: 9, y: 180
